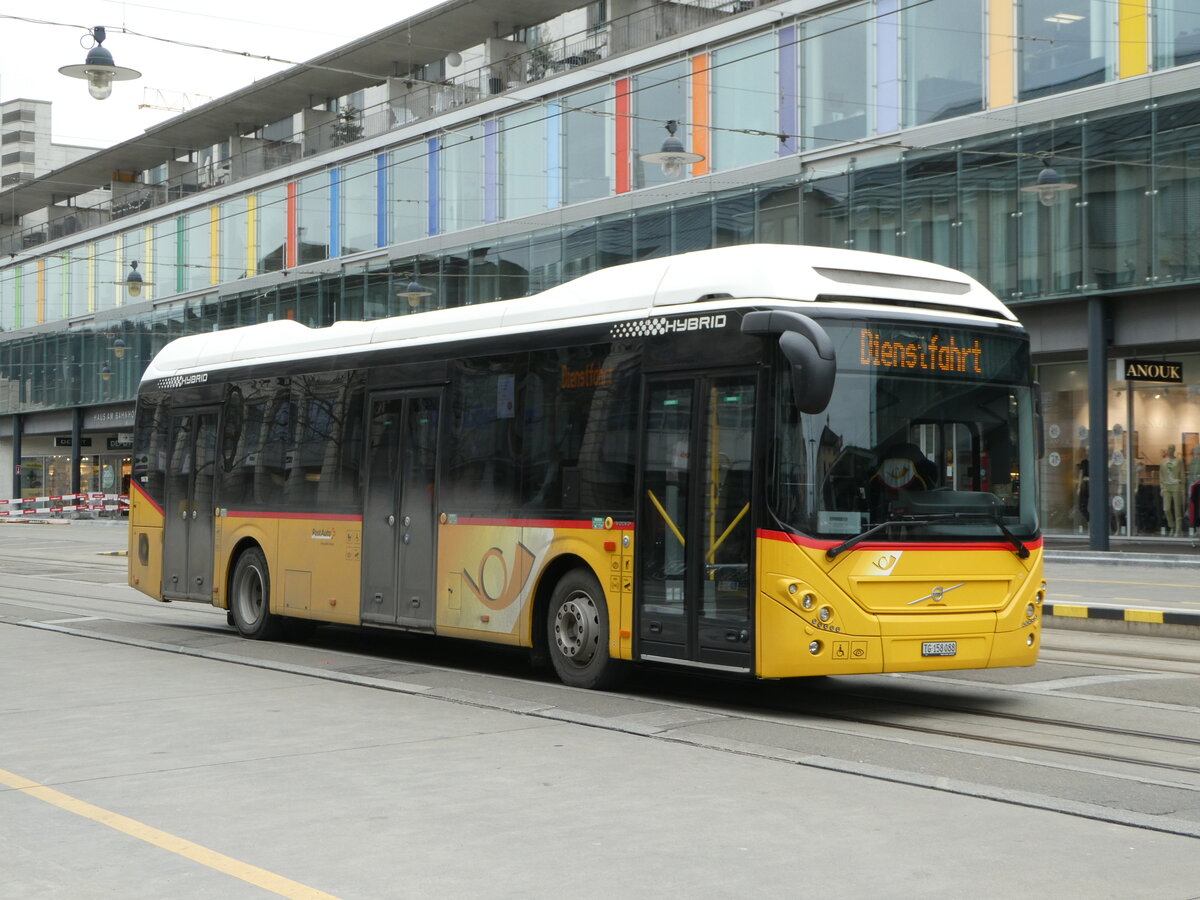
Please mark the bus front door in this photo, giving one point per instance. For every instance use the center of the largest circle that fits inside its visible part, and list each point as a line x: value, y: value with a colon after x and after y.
x: 188, y: 519
x: 398, y: 554
x: 695, y: 538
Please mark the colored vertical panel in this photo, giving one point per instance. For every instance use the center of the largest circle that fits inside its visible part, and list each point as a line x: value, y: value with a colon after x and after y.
x: 1134, y: 39
x: 291, y: 225
x: 624, y: 136
x: 1002, y: 54
x: 700, y: 120
x: 251, y: 235
x: 181, y: 253
x: 381, y: 200
x: 434, y: 199
x: 41, y: 291
x: 18, y: 297
x: 789, y: 71
x: 214, y: 245
x: 491, y: 172
x: 887, y: 67
x: 335, y: 212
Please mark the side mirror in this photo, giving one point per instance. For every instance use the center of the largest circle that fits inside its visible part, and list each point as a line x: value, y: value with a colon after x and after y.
x: 808, y: 350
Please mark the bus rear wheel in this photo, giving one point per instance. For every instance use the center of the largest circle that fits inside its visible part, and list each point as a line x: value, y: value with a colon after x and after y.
x: 250, y: 597
x: 577, y: 632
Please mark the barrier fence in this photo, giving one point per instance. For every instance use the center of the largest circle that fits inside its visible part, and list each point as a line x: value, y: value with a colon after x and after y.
x: 64, y: 503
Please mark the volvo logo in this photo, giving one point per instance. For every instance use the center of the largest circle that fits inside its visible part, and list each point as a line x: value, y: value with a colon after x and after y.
x: 936, y: 594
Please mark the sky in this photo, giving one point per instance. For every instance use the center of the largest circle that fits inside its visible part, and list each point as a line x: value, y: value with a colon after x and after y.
x: 33, y: 51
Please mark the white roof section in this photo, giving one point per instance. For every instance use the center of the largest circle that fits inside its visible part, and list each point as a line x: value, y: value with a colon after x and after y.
x: 746, y: 272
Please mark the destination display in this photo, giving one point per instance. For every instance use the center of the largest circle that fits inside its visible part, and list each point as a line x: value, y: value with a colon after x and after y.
x: 912, y: 350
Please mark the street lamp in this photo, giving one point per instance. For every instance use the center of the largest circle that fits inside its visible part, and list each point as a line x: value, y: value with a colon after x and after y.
x: 134, y: 282
x: 98, y: 68
x: 414, y: 292
x: 1048, y: 184
x: 673, y: 156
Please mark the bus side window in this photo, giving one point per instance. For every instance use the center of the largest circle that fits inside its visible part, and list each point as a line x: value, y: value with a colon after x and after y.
x: 483, y: 437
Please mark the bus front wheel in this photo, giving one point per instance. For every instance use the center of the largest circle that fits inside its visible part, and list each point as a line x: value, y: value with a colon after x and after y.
x: 577, y: 632
x: 250, y: 597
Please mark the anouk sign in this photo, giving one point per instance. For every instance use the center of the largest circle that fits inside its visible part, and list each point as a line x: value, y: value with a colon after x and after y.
x: 1150, y: 370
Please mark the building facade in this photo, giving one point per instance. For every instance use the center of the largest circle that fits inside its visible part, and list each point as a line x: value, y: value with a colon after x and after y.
x: 1046, y: 148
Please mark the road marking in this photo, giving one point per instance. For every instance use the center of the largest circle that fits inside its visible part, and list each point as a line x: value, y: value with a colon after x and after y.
x: 76, y: 619
x: 277, y: 884
x: 1105, y: 581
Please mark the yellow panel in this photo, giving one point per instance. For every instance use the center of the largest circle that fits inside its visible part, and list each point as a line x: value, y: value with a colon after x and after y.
x: 147, y: 264
x: 1002, y: 56
x: 1133, y: 35
x: 251, y: 235
x: 215, y: 245
x: 41, y: 291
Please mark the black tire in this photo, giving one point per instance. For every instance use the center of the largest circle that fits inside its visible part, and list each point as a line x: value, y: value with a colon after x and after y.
x: 250, y: 597
x: 577, y: 633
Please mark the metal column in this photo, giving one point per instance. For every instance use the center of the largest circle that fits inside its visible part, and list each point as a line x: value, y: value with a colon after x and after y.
x: 1097, y: 366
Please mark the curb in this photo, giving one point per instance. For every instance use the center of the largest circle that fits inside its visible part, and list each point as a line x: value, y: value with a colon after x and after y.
x: 1151, y: 622
x: 1118, y: 557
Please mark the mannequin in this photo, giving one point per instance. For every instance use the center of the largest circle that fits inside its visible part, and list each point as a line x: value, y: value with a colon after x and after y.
x: 1170, y: 478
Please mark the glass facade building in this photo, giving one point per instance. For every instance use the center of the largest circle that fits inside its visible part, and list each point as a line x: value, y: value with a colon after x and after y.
x: 918, y: 130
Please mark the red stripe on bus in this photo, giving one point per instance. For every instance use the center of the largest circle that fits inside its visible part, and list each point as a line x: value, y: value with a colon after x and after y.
x: 323, y: 517
x: 142, y: 493
x: 814, y: 544
x: 543, y: 523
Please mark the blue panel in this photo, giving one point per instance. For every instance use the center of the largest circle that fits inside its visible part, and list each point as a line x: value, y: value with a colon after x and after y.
x: 381, y: 200
x: 434, y: 200
x: 335, y: 212
x: 887, y: 55
x: 554, y: 125
x: 788, y: 73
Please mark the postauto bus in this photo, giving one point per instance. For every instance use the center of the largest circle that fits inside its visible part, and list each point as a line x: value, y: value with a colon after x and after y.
x: 773, y: 461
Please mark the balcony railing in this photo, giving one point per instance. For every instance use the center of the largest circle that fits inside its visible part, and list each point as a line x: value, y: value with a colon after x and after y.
x: 421, y: 101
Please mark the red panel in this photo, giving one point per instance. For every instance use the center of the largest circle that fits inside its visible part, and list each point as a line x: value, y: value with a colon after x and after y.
x: 624, y: 134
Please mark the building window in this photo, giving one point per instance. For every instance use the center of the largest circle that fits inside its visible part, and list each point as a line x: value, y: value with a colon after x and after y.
x: 17, y: 137
x: 745, y: 96
x: 589, y: 149
x: 942, y: 61
x: 1065, y: 44
x: 1176, y: 32
x: 837, y: 73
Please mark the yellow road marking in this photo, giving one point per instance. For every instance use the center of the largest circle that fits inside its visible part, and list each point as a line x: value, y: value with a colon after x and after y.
x: 1104, y: 581
x: 285, y: 887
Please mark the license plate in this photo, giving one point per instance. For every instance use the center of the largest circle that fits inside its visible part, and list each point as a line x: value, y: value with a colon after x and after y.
x: 939, y: 648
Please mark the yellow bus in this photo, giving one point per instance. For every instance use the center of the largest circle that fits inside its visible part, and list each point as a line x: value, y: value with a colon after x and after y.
x: 770, y: 461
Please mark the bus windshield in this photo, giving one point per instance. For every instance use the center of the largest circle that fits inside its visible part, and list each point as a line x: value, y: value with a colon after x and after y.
x: 929, y: 428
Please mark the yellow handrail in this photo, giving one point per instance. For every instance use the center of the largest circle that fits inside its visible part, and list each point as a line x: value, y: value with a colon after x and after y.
x: 726, y: 532
x: 666, y: 518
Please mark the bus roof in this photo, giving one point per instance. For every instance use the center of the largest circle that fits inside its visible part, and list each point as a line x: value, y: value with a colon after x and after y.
x: 748, y: 271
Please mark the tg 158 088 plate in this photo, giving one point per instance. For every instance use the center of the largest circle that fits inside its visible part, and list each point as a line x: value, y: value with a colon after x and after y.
x: 939, y: 648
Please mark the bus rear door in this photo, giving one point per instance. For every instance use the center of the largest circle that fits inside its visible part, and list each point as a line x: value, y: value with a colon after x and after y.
x: 694, y: 525
x: 188, y: 519
x: 399, y: 553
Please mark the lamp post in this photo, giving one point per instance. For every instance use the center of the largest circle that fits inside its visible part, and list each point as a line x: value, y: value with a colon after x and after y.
x: 98, y: 69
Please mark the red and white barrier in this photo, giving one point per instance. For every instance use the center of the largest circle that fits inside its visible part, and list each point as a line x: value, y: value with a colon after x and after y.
x: 83, y: 502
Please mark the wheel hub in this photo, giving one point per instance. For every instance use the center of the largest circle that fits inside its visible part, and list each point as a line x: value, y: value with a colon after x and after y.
x: 576, y: 629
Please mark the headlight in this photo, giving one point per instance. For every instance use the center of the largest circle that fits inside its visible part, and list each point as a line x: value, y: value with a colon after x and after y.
x: 808, y: 601
x: 825, y: 614
x: 814, y: 648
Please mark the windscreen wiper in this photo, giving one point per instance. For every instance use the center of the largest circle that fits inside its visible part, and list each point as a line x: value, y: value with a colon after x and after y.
x: 1022, y: 550
x: 835, y: 552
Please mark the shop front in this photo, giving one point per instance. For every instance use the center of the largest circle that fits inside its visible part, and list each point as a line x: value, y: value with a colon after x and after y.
x: 1152, y: 466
